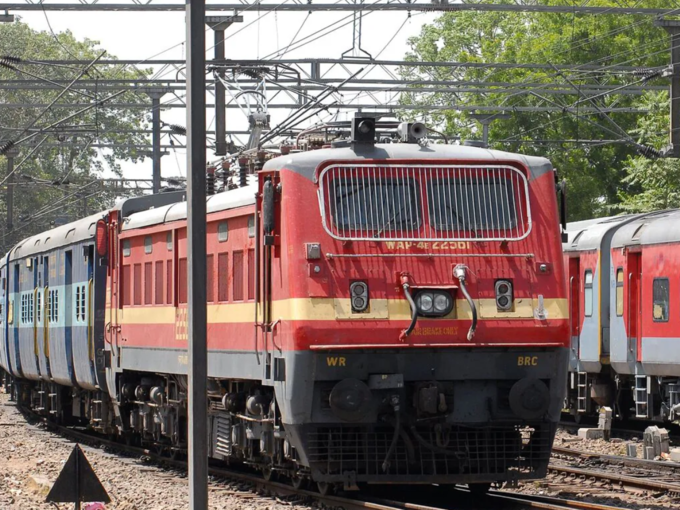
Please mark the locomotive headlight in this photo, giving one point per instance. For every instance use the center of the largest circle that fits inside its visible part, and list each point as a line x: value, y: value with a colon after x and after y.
x: 504, y: 295
x: 442, y: 302
x: 425, y: 302
x: 359, y: 296
x: 434, y: 303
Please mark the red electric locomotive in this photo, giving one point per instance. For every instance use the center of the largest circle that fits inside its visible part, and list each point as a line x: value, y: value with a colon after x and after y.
x: 378, y: 313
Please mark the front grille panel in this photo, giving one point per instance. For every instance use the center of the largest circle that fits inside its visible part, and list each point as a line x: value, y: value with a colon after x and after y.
x: 480, y: 451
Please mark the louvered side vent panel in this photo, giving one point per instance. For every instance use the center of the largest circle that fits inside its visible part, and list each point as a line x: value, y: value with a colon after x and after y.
x: 223, y: 435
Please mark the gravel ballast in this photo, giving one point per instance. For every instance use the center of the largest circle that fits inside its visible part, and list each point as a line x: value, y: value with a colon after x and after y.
x: 31, y: 458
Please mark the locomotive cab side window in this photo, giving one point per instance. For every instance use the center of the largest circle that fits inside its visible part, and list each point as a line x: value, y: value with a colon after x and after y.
x: 251, y: 225
x: 222, y: 231
x: 588, y: 293
x: 619, y: 292
x: 660, y: 293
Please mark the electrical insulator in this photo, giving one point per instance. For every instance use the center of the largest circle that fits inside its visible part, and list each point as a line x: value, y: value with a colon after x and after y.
x: 243, y: 171
x: 260, y: 161
x: 210, y: 181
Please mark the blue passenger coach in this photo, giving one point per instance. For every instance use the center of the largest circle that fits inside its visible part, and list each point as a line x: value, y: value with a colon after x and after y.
x: 51, y: 286
x: 53, y: 300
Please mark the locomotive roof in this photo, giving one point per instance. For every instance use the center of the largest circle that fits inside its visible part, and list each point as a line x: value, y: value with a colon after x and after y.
x: 651, y: 228
x: 231, y: 199
x: 84, y: 228
x: 588, y: 234
x: 306, y: 163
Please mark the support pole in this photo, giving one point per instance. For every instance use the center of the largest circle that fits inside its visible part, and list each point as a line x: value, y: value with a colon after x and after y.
x: 220, y: 100
x: 156, y: 142
x: 485, y: 119
x: 673, y: 29
x: 10, y: 155
x: 219, y: 24
x: 196, y: 255
x: 156, y: 96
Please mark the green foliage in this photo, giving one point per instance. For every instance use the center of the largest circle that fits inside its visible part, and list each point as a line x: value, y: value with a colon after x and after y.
x: 652, y: 184
x: 41, y: 196
x: 596, y: 173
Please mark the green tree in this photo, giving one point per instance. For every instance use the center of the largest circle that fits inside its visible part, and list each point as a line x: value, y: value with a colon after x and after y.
x: 57, y: 182
x: 595, y: 172
x: 651, y: 184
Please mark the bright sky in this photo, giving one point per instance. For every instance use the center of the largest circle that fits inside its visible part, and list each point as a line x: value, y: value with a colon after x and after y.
x: 140, y: 35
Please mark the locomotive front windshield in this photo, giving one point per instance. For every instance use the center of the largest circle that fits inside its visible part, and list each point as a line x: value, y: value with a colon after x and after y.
x: 471, y: 205
x: 420, y: 202
x: 389, y: 205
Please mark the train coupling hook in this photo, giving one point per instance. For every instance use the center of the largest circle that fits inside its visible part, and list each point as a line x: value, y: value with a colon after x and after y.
x: 405, y: 280
x: 460, y: 272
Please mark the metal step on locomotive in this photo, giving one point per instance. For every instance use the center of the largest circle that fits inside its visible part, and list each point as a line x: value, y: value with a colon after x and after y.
x: 378, y: 313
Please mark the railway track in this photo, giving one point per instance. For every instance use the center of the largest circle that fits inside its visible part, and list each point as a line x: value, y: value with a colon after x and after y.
x: 650, y: 475
x: 441, y: 498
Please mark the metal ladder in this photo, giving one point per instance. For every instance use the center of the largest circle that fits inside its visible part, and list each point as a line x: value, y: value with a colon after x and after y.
x: 53, y: 402
x: 582, y: 392
x: 42, y: 400
x: 642, y: 396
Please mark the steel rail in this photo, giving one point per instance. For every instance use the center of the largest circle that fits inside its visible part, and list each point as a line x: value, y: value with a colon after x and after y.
x: 331, y: 501
x: 548, y: 502
x: 625, y: 480
x: 619, y: 459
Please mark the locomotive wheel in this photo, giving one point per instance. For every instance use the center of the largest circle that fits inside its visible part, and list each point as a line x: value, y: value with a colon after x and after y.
x: 324, y: 488
x: 479, y: 489
x: 268, y: 473
x: 298, y: 482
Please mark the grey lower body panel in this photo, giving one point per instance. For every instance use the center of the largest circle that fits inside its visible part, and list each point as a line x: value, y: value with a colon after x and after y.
x: 661, y: 356
x: 478, y: 438
x: 221, y: 364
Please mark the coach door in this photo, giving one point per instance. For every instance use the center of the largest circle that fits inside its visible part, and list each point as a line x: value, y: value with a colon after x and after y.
x: 68, y: 313
x: 634, y: 302
x: 575, y: 304
x: 45, y: 315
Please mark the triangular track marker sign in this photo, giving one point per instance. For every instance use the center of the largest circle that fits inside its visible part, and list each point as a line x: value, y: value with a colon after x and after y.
x: 77, y: 482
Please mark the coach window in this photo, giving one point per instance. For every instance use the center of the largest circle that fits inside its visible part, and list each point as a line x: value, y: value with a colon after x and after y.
x: 126, y: 247
x: 661, y: 294
x: 619, y: 292
x: 168, y: 241
x: 148, y: 244
x: 588, y: 301
x: 222, y: 231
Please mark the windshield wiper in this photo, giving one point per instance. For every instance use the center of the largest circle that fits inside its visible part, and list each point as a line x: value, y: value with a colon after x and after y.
x: 389, y: 222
